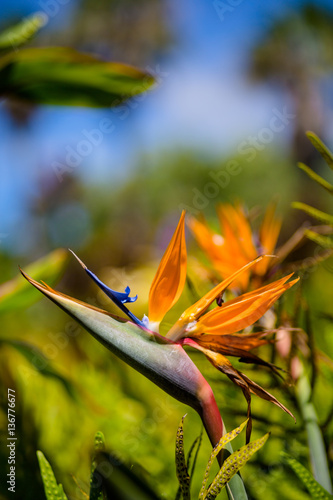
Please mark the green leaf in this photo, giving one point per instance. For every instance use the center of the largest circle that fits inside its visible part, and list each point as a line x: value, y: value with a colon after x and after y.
x: 314, y: 212
x: 99, y: 444
x: 53, y: 491
x: 232, y: 465
x: 317, y: 178
x: 19, y: 34
x: 221, y: 444
x: 323, y: 241
x: 316, y: 491
x: 320, y: 146
x: 181, y: 467
x: 17, y: 294
x: 63, y: 76
x: 194, y: 449
x: 96, y: 485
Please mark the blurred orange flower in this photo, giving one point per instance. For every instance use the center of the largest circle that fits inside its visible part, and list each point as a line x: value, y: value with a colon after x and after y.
x: 237, y: 244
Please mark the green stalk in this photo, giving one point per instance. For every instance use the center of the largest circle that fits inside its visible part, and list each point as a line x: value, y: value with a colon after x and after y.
x: 315, y: 438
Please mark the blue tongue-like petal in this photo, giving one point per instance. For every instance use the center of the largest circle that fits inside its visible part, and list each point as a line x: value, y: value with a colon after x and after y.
x: 119, y: 298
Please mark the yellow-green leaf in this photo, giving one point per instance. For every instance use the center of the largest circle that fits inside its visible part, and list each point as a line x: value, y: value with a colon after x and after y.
x: 317, y: 178
x: 96, y: 485
x: 314, y: 212
x: 320, y: 146
x: 181, y: 467
x: 221, y: 444
x: 232, y: 465
x: 63, y: 76
x: 53, y: 491
x: 99, y: 444
x: 316, y: 491
x: 323, y: 241
x: 19, y: 34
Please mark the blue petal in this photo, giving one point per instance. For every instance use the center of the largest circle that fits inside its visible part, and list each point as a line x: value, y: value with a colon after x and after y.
x: 119, y: 298
x: 123, y: 297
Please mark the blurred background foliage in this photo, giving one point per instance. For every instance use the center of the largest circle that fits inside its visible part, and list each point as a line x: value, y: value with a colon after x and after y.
x: 117, y: 210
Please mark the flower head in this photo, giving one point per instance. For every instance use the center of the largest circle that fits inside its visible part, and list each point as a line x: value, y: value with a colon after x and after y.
x: 237, y: 244
x: 209, y: 325
x: 215, y: 331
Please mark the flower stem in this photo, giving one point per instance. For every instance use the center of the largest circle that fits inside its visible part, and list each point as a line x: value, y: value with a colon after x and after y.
x: 315, y: 438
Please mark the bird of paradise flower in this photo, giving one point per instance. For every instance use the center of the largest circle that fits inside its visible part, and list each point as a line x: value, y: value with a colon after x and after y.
x: 213, y: 331
x: 238, y: 244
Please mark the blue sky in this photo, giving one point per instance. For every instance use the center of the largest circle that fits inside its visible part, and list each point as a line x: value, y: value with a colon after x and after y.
x: 204, y: 101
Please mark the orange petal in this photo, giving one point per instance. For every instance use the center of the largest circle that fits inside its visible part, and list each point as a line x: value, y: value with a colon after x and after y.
x: 170, y: 277
x: 233, y: 249
x: 211, y: 243
x: 193, y: 312
x: 268, y: 235
x: 237, y: 231
x: 240, y: 312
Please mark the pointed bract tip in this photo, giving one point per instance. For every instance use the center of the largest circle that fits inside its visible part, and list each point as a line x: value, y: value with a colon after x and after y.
x: 24, y: 274
x: 77, y: 258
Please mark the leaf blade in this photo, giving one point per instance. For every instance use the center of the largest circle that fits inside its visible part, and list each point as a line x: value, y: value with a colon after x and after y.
x: 314, y: 212
x: 216, y: 450
x: 317, y: 178
x: 96, y: 485
x: 22, y: 32
x: 321, y: 148
x: 181, y: 467
x: 316, y: 491
x: 63, y: 76
x: 53, y: 491
x: 233, y: 464
x: 323, y: 241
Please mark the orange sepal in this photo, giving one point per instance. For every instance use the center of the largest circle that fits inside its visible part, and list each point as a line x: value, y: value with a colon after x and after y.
x: 170, y: 277
x: 268, y: 235
x: 240, y: 312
